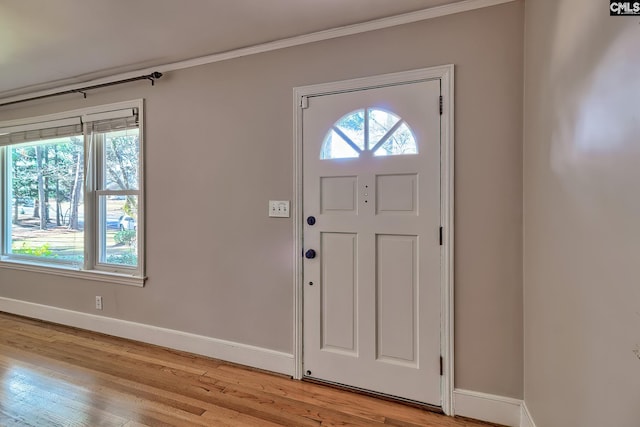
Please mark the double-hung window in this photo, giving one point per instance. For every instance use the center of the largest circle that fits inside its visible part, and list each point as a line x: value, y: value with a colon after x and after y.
x: 72, y: 193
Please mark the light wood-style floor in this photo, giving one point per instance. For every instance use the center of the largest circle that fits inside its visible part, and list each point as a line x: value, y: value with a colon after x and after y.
x: 52, y: 375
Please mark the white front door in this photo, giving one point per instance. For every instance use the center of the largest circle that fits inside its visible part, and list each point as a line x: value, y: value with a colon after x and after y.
x: 371, y: 231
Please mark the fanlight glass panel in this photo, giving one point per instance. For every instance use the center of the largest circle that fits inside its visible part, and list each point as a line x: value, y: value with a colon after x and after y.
x: 352, y: 126
x: 380, y: 122
x: 401, y: 141
x: 386, y: 135
x: 335, y: 147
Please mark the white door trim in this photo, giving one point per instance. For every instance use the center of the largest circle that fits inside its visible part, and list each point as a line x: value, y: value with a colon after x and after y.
x: 446, y: 75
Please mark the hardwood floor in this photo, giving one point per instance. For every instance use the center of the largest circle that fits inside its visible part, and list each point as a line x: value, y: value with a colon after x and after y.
x: 52, y: 375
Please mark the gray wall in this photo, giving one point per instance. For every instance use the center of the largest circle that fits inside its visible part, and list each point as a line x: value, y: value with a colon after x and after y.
x: 582, y: 210
x: 219, y: 145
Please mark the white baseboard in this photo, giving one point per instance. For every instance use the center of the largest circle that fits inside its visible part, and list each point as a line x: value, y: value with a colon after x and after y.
x: 244, y: 354
x: 527, y: 421
x: 487, y: 407
x: 481, y: 406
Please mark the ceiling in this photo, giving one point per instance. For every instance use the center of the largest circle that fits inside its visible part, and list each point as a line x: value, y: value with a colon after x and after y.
x: 44, y: 43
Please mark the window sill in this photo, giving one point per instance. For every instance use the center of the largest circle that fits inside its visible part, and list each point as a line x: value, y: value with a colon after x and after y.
x: 64, y: 271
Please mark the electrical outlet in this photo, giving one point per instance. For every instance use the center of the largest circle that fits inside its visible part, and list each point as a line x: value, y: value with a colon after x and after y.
x: 98, y: 302
x: 279, y: 208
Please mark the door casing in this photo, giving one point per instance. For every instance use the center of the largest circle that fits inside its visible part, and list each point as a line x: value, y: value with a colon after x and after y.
x: 445, y: 74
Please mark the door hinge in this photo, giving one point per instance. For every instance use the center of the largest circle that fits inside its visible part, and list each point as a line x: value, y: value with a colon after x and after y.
x: 304, y: 102
x: 441, y: 366
x: 441, y: 104
x: 441, y: 237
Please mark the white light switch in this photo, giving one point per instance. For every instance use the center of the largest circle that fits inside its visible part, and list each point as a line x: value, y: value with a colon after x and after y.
x: 279, y: 208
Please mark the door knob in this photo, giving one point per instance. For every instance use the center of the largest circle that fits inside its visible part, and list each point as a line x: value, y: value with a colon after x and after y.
x: 311, y: 220
x: 310, y: 254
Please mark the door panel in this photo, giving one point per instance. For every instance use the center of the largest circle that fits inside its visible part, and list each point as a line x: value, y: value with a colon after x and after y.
x: 338, y: 195
x: 338, y: 257
x: 396, y: 194
x: 396, y: 297
x: 371, y: 299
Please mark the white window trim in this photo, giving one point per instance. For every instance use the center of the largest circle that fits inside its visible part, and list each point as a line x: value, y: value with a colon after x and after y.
x: 98, y: 272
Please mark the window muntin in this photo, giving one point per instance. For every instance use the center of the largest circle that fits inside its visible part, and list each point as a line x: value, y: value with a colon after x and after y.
x: 380, y: 123
x: 368, y: 130
x: 335, y: 146
x: 95, y: 187
x: 400, y: 141
x: 351, y: 128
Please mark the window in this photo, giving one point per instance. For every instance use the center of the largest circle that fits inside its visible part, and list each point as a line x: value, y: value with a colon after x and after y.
x: 368, y: 130
x: 72, y: 193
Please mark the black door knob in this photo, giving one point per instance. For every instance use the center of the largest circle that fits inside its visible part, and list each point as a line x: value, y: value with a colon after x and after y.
x: 311, y: 220
x: 310, y: 254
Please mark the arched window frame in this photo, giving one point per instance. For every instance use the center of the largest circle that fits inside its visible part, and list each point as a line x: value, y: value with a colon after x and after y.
x: 354, y: 133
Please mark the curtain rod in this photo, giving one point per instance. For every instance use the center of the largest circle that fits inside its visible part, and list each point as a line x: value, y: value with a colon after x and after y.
x: 83, y: 90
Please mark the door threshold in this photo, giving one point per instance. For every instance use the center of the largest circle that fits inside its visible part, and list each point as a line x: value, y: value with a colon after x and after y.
x: 370, y: 393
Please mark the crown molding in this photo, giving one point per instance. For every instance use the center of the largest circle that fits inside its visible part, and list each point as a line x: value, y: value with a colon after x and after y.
x: 378, y: 24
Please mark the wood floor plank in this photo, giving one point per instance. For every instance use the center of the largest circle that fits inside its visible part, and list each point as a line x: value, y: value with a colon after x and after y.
x: 350, y: 403
x: 117, y: 394
x: 54, y: 375
x: 134, y: 388
x: 104, y: 405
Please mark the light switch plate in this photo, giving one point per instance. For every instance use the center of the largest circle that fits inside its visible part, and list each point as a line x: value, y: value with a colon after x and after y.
x: 279, y: 208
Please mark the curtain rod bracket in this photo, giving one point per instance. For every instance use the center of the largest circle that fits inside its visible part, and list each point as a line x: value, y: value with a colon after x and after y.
x: 153, y: 77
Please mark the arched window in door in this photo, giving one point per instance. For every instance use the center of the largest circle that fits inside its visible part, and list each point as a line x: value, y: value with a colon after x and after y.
x: 378, y: 131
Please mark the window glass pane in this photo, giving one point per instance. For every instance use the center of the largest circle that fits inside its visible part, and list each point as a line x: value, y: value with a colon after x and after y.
x: 335, y: 147
x: 401, y: 141
x: 387, y: 135
x: 46, y: 199
x: 380, y: 122
x: 119, y: 230
x: 352, y: 125
x: 121, y: 163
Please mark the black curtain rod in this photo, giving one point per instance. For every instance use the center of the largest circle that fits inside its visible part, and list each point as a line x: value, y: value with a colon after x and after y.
x: 83, y: 90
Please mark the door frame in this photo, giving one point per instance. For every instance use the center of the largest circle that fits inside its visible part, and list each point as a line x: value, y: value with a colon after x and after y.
x: 445, y: 74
